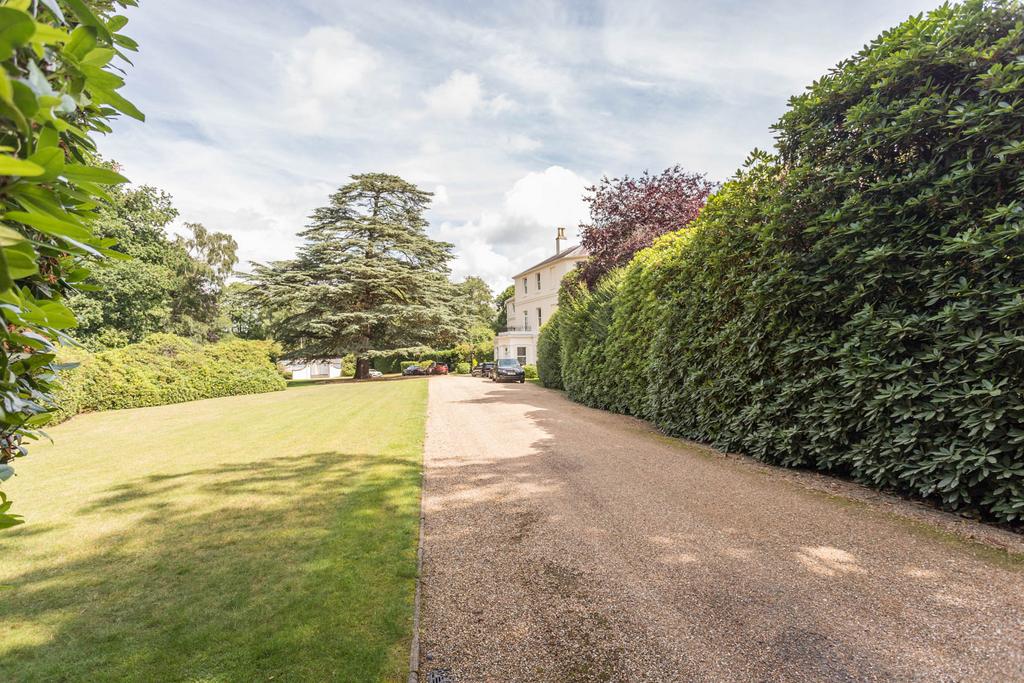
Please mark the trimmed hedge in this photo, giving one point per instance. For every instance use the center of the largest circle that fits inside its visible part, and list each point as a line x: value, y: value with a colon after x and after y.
x: 165, y: 369
x: 530, y: 371
x: 462, y: 368
x: 549, y: 358
x: 855, y: 304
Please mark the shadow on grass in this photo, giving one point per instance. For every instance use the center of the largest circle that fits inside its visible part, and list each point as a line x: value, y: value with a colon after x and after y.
x: 291, y: 568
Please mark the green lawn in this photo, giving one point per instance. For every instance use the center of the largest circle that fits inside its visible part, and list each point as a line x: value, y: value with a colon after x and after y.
x: 252, y: 538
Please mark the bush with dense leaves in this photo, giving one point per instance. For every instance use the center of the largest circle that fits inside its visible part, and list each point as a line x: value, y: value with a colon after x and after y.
x: 462, y: 368
x: 60, y: 72
x: 549, y: 358
x: 530, y: 371
x: 856, y: 303
x: 165, y: 369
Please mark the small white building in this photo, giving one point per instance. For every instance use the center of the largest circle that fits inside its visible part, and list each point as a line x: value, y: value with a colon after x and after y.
x: 535, y: 300
x: 317, y: 369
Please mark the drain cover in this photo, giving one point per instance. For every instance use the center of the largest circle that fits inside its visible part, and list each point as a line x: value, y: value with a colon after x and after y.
x: 440, y: 676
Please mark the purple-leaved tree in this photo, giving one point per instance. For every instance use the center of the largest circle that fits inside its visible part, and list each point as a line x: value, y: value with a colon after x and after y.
x: 628, y: 214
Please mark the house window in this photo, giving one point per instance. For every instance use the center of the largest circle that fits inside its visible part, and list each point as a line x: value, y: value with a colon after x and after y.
x: 540, y: 321
x: 525, y: 282
x: 538, y: 282
x: 526, y: 320
x: 521, y: 355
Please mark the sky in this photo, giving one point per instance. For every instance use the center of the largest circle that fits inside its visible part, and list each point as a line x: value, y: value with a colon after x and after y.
x: 257, y: 110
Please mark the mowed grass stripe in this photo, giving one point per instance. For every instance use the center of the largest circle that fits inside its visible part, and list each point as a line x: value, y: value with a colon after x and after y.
x: 267, y: 537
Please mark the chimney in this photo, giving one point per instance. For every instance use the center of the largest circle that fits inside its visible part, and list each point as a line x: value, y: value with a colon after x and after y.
x: 558, y: 241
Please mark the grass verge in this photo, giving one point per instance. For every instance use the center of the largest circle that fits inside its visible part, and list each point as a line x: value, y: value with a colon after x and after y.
x: 264, y: 537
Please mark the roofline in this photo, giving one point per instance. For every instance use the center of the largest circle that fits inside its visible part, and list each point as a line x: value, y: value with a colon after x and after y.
x: 565, y: 253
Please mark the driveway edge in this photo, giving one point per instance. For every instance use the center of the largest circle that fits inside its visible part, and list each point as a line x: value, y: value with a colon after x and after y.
x: 414, y: 647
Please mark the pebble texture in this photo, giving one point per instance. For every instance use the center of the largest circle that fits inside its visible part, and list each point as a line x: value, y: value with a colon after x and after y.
x: 569, y: 544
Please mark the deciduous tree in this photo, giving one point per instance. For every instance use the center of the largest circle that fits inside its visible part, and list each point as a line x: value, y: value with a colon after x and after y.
x: 627, y: 214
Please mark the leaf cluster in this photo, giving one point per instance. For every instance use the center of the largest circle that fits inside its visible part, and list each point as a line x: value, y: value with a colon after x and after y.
x: 60, y: 75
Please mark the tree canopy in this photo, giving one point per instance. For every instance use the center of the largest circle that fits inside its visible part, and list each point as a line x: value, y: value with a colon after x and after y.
x: 500, y: 305
x: 627, y: 214
x: 169, y: 285
x: 367, y: 278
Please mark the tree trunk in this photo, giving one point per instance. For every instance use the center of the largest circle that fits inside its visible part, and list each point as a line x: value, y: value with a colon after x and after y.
x: 362, y: 367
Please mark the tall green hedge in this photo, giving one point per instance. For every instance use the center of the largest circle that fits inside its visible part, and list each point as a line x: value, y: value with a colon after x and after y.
x: 164, y: 369
x: 856, y: 303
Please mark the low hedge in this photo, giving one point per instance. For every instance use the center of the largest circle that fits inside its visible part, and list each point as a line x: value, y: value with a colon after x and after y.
x: 530, y: 371
x: 165, y: 369
x: 855, y: 303
x: 462, y: 368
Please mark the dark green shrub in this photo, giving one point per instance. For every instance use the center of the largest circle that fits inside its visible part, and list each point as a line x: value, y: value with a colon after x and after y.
x: 165, y: 369
x: 854, y: 305
x: 549, y: 356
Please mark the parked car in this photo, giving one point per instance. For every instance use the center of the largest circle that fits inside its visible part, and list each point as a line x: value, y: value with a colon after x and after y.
x: 482, y: 369
x: 414, y: 370
x: 508, y: 370
x: 439, y: 369
x: 374, y: 373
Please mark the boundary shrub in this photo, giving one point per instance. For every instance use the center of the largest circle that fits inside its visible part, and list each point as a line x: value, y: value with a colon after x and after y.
x: 855, y: 304
x: 164, y: 369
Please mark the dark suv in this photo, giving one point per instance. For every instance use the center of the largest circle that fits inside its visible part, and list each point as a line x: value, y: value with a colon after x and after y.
x: 508, y: 370
x: 482, y: 369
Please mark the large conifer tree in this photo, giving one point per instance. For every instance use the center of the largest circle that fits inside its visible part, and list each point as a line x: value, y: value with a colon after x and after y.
x: 367, y: 278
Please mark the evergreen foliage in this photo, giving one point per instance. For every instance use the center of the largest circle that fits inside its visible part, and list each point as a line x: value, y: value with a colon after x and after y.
x: 165, y: 369
x: 855, y: 304
x: 59, y: 80
x: 367, y: 278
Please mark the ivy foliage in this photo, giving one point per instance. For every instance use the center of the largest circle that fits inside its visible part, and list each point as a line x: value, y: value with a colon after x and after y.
x: 854, y: 304
x: 59, y: 83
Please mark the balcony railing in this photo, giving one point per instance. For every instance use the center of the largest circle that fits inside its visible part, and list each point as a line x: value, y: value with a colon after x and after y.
x: 512, y: 330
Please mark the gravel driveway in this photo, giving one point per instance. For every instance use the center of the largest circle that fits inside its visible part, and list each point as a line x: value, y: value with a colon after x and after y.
x: 569, y: 544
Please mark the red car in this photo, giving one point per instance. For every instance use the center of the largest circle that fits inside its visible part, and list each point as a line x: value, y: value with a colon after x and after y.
x: 439, y: 369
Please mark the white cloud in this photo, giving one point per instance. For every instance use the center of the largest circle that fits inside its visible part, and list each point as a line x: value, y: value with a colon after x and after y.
x: 461, y: 95
x: 517, y: 142
x: 440, y: 196
x: 458, y: 96
x: 326, y: 70
x: 499, y: 243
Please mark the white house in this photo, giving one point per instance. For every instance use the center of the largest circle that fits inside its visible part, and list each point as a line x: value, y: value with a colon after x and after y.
x: 316, y: 369
x: 535, y: 300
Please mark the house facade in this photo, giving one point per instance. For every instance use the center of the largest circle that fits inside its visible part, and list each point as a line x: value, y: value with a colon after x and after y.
x: 536, y: 298
x: 316, y: 369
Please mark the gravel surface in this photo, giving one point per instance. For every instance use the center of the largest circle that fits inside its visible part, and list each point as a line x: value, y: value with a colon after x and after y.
x: 569, y: 544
